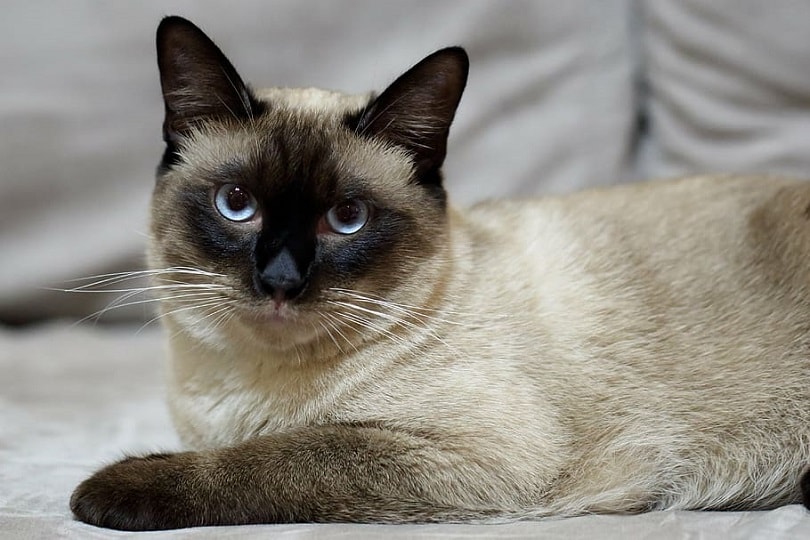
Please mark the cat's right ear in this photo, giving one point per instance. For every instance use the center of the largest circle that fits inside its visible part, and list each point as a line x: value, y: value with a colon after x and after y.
x: 416, y: 110
x: 197, y: 80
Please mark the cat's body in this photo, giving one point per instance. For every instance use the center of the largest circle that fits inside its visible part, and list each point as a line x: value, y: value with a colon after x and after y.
x: 617, y: 350
x: 635, y: 365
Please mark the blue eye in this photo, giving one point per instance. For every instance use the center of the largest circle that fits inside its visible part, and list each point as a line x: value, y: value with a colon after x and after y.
x: 235, y: 203
x: 348, y: 217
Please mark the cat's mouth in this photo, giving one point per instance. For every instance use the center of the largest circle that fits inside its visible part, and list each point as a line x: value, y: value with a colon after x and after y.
x: 273, y: 312
x: 280, y: 326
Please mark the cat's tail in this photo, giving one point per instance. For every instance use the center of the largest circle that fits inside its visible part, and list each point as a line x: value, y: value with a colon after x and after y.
x: 805, y: 487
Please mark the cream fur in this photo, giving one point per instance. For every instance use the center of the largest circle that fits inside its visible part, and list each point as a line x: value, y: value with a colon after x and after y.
x: 614, y: 350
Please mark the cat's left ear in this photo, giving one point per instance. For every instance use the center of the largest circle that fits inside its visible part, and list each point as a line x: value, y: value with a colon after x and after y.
x: 198, y: 82
x: 416, y: 110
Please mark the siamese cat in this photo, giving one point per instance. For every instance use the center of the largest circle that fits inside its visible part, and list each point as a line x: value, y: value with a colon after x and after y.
x: 347, y: 346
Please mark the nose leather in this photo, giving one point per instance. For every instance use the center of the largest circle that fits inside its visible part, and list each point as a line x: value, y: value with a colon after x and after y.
x: 281, y: 275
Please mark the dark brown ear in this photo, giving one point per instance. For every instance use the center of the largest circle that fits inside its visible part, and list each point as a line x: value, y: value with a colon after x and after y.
x: 198, y: 81
x: 416, y: 111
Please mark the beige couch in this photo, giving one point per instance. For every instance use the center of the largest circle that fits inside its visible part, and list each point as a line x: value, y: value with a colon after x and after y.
x: 562, y: 95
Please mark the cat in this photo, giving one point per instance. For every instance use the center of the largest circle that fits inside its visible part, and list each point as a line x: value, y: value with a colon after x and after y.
x: 347, y: 346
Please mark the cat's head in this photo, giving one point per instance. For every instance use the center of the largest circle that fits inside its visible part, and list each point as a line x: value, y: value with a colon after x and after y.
x: 274, y: 210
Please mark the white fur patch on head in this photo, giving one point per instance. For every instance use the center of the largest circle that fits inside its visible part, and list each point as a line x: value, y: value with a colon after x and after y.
x: 312, y: 99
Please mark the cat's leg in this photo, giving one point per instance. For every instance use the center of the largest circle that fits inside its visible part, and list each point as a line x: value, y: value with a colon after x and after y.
x: 805, y: 486
x: 323, y: 474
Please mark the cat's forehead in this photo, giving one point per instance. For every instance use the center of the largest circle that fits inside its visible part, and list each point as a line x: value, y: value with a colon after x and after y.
x: 308, y: 118
x: 300, y: 131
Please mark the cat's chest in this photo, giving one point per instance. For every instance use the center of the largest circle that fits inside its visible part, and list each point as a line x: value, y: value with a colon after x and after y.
x: 218, y: 403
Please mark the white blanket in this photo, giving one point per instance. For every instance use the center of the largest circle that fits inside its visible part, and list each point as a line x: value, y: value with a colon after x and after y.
x: 75, y: 398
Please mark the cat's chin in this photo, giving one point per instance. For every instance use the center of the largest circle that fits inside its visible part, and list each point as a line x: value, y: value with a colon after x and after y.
x: 275, y: 326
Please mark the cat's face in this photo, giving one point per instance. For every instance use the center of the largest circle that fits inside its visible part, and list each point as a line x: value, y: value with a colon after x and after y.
x: 287, y: 213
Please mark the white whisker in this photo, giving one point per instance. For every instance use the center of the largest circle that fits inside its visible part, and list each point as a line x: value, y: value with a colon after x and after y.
x: 369, y: 325
x: 217, y: 302
x: 393, y: 319
x: 335, y: 325
x: 191, y: 295
x: 136, y: 274
x: 325, y: 328
x: 148, y: 288
x: 420, y: 312
x: 120, y: 302
x: 216, y: 316
x: 400, y: 319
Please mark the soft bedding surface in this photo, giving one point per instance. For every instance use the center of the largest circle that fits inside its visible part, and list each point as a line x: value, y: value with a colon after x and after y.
x: 75, y: 397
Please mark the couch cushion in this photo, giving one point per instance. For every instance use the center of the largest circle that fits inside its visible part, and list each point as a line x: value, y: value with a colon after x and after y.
x: 548, y: 108
x: 729, y: 86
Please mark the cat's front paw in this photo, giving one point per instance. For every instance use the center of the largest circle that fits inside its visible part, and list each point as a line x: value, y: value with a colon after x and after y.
x: 137, y: 494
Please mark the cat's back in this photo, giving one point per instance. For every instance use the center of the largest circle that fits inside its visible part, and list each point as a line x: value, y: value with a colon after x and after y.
x: 673, y: 270
x: 661, y: 204
x: 667, y: 226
